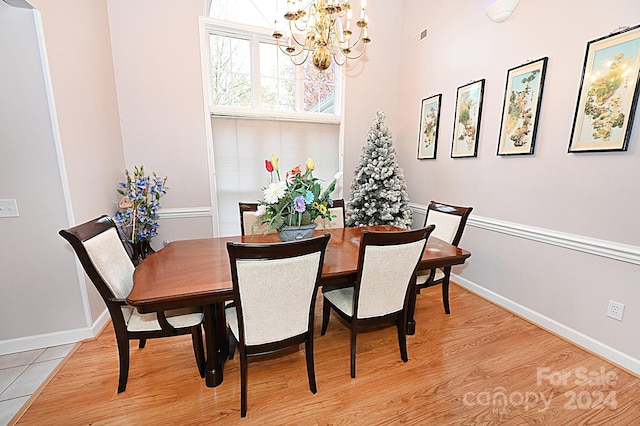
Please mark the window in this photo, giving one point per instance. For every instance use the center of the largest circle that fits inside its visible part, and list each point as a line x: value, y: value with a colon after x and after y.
x: 277, y: 79
x: 250, y: 73
x: 240, y: 147
x: 230, y: 71
x: 262, y: 104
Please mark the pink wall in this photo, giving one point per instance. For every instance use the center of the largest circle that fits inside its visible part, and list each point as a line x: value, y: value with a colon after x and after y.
x: 588, y: 197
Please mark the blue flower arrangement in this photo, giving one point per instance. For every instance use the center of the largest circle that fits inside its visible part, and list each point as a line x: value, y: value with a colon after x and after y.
x: 137, y: 215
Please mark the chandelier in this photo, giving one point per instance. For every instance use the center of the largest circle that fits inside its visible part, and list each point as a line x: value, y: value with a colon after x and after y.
x: 322, y: 29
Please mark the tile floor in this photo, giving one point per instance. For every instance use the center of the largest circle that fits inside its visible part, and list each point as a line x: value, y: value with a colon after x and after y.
x: 22, y: 373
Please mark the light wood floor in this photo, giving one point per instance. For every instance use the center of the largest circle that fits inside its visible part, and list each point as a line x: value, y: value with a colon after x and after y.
x: 462, y: 368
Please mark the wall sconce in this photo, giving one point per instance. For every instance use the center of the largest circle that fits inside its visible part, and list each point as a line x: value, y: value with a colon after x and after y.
x: 501, y: 10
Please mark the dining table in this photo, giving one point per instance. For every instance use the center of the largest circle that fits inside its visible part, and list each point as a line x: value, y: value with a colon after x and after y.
x: 197, y: 272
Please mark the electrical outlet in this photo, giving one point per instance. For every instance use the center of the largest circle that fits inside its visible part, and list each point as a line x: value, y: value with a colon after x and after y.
x: 8, y: 208
x: 615, y: 310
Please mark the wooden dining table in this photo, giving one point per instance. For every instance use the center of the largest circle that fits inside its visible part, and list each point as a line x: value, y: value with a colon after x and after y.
x: 188, y: 273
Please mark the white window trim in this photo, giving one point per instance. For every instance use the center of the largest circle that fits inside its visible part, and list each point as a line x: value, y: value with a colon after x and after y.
x: 256, y: 35
x: 206, y: 78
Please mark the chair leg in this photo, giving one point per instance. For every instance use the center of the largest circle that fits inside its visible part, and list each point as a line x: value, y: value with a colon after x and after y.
x: 198, y: 348
x: 311, y: 373
x: 142, y: 343
x: 445, y: 290
x: 402, y: 336
x: 325, y: 316
x: 123, y: 355
x: 243, y: 383
x: 233, y: 343
x: 353, y: 353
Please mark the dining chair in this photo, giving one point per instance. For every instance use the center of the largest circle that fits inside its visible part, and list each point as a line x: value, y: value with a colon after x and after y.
x: 274, y: 293
x: 101, y: 252
x: 450, y: 222
x: 249, y: 220
x: 337, y: 210
x: 381, y: 294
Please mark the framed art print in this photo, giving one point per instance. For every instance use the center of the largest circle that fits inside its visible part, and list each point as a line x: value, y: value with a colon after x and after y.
x: 429, y: 122
x: 466, y: 125
x: 608, y: 93
x: 521, y: 107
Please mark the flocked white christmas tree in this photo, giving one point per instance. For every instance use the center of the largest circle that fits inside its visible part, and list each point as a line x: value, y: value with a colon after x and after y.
x: 378, y: 191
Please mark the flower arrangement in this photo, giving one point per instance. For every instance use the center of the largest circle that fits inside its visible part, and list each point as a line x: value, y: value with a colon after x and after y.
x: 137, y: 215
x: 297, y: 200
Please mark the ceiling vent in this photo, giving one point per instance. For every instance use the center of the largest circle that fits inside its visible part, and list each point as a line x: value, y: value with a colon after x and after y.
x: 419, y: 37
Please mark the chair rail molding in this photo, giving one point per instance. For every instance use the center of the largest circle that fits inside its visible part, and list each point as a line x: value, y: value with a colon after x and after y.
x: 609, y: 249
x: 184, y: 212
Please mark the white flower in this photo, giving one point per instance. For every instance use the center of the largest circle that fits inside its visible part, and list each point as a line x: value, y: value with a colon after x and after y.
x: 338, y: 175
x: 261, y: 210
x: 274, y: 192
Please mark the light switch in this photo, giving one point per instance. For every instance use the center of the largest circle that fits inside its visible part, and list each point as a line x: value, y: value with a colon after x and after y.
x: 8, y: 208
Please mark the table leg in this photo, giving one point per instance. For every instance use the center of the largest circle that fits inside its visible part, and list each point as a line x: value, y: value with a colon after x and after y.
x: 216, y: 343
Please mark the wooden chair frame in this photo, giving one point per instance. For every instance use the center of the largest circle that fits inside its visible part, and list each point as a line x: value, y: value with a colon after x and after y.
x: 76, y: 236
x: 464, y: 213
x: 271, y: 252
x: 340, y: 204
x: 246, y: 207
x: 399, y: 318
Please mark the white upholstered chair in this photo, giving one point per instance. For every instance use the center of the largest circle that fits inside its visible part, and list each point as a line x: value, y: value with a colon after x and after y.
x: 337, y: 210
x: 387, y: 262
x: 450, y: 222
x: 249, y: 220
x: 274, y: 293
x: 105, y: 260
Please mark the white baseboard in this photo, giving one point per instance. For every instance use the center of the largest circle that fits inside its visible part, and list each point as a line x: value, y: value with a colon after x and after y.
x: 613, y: 355
x: 54, y: 339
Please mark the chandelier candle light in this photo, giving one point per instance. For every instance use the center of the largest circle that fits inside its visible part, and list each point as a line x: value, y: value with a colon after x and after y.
x: 324, y: 28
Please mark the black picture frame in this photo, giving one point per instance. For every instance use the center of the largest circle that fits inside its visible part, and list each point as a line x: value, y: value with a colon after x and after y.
x: 429, y: 127
x: 468, y: 115
x: 608, y: 93
x: 521, y: 108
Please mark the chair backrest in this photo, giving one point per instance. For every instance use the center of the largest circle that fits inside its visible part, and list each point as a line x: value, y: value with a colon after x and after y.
x: 103, y: 256
x: 386, y: 264
x: 336, y: 210
x: 249, y: 223
x: 274, y: 287
x: 449, y: 220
